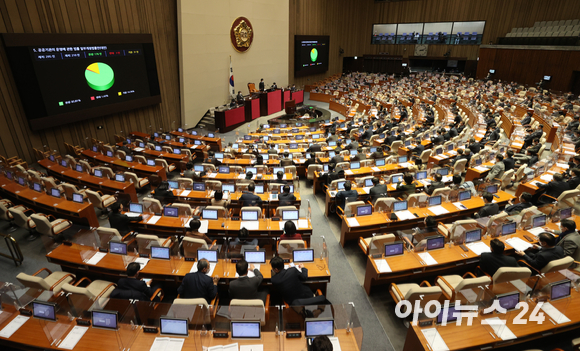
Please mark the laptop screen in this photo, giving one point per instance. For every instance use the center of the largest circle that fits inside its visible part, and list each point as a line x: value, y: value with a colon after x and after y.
x: 37, y: 187
x: 209, y: 214
x: 439, y: 151
x: 450, y: 316
x: 354, y: 165
x: 259, y: 189
x: 79, y: 168
x: 173, y: 184
x: 435, y: 200
x: 400, y: 206
x: 161, y: 253
x: 560, y: 289
x: 246, y: 330
x: 293, y: 146
x: 492, y: 189
x: 219, y: 155
x: 254, y: 170
x: 55, y: 192
x: 137, y: 208
x: 421, y: 175
x: 265, y: 157
x: 306, y: 255
x: 197, y: 142
x: 120, y: 177
x: 210, y: 135
x: 290, y: 215
x: 63, y: 163
x: 509, y: 301
x: 181, y: 140
x: 278, y: 169
x: 210, y: 255
x: 173, y: 326
x: 317, y: 136
x: 539, y: 221
x: 369, y: 182
x: 249, y: 215
x: 198, y: 168
x: 353, y: 152
x: 464, y: 195
x: 364, y: 210
x: 224, y: 169
x: 443, y: 171
x: 44, y: 310
x: 104, y: 319
x: 435, y: 243
x: 402, y: 159
x: 177, y: 151
x: 98, y: 173
x: 340, y: 185
x: 565, y: 213
x: 150, y: 162
x: 168, y: 137
x: 396, y: 179
x: 171, y: 211
x: 199, y: 186
x: 247, y: 137
x: 331, y: 154
x: 129, y: 158
x: 255, y: 256
x: 508, y: 228
x: 228, y: 187
x: 473, y: 236
x: 316, y: 327
x: 78, y: 198
x: 117, y: 248
x: 110, y: 153
x: 21, y: 181
x: 394, y: 249
x: 332, y: 143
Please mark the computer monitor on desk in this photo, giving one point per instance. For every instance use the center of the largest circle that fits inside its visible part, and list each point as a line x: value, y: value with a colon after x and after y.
x: 560, y: 290
x: 105, y: 319
x: 246, y: 330
x: 435, y: 242
x: 171, y: 211
x: 117, y: 248
x: 400, y: 206
x: 472, y: 236
x: 464, y: 195
x: 249, y: 215
x: 160, y: 253
x: 314, y: 327
x: 290, y: 215
x: 365, y: 210
x: 435, y: 200
x: 538, y: 221
x: 255, y: 256
x: 394, y: 249
x: 55, y: 192
x: 380, y: 162
x: 44, y: 310
x: 209, y: 255
x: 508, y: 228
x: 492, y: 189
x: 173, y: 327
x: 355, y: 165
x: 508, y: 301
x: 448, y: 317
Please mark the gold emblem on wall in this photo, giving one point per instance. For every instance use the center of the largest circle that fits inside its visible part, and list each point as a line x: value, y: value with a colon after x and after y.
x: 241, y: 34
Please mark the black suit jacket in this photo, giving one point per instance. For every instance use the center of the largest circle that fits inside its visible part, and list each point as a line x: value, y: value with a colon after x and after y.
x: 286, y: 199
x: 314, y: 148
x: 488, y: 210
x: 196, y: 285
x: 367, y: 134
x: 289, y: 283
x: 164, y: 195
x: 246, y: 288
x: 249, y: 199
x: 475, y: 147
x: 509, y: 163
x: 517, y: 207
x: 554, y: 188
x: 337, y: 159
x: 429, y: 189
x: 573, y: 182
x: 134, y: 289
x: 341, y: 196
x: 261, y: 86
x: 121, y: 222
x: 490, y: 262
x: 419, y: 149
x: 379, y: 190
x: 541, y: 258
x: 438, y: 139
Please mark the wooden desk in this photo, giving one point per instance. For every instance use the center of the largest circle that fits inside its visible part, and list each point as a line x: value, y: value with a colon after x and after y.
x: 178, y: 160
x: 231, y: 177
x: 107, y: 186
x: 123, y: 166
x: 530, y: 186
x: 215, y: 143
x: 270, y: 102
x: 230, y: 118
x: 474, y: 173
x: 204, y: 198
x: 41, y: 202
x: 381, y: 223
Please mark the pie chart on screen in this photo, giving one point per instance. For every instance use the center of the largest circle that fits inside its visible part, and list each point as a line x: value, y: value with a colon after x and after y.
x: 100, y: 76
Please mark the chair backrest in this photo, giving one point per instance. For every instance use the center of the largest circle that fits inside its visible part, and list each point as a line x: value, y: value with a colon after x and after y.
x: 151, y: 205
x: 520, y: 173
x: 334, y: 183
x: 556, y: 265
x: 248, y: 310
x: 34, y: 176
x: 425, y: 156
x: 95, y: 198
x: 42, y: 224
x: 424, y: 294
x: 342, y: 165
x: 163, y: 163
x: 221, y: 210
x: 19, y: 218
x: 360, y: 182
x: 413, y: 200
x: 184, y: 210
x: 506, y: 274
x: 384, y: 204
x: 71, y: 289
x: 185, y: 182
x: 191, y: 302
x: 396, y: 145
x: 108, y: 172
x: 191, y: 245
x: 107, y: 234
x: 213, y: 184
x: 311, y: 170
x: 566, y: 199
x: 470, y: 283
x: 284, y: 208
x: 441, y: 191
x: 529, y: 209
x: 132, y: 177
x: 140, y: 158
x: 459, y: 166
x: 459, y: 224
x: 291, y: 170
x: 32, y: 281
x: 69, y: 190
x: 48, y: 183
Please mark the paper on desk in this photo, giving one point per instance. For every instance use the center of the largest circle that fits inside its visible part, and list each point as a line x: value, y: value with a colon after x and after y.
x: 142, y: 262
x: 518, y: 244
x: 348, y: 171
x: 403, y: 215
x: 250, y: 225
x: 438, y: 210
x: 499, y: 328
x: 13, y: 326
x: 517, y: 144
x: 478, y: 247
x: 138, y: 149
x: 536, y: 182
x: 427, y: 258
x: 211, y: 175
x: 383, y: 266
x: 167, y: 344
x: 230, y: 347
x: 376, y: 169
x: 481, y: 168
x: 185, y: 193
x: 153, y: 219
x: 253, y: 348
x: 547, y: 177
x: 405, y: 164
x: 73, y: 337
x: 562, y: 165
x: 241, y: 176
x: 425, y: 181
x: 204, y: 226
x: 521, y: 286
x: 251, y: 273
x: 536, y: 231
x: 553, y: 312
x: 469, y: 294
x: 96, y: 258
x: 366, y: 189
x: 459, y: 206
x: 335, y: 343
x: 302, y: 223
x: 209, y: 273
x: 434, y: 339
x: 352, y: 222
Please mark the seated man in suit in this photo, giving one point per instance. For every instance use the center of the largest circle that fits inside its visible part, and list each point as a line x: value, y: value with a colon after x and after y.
x: 509, y: 162
x: 490, y: 262
x: 489, y: 209
x: 368, y: 133
x: 199, y: 284
x: 568, y: 239
x: 211, y: 159
x: 244, y: 287
x: 314, y: 148
x: 120, y: 221
x: 193, y: 231
x: 497, y: 170
x: 474, y: 146
x: 574, y: 180
x: 527, y: 118
x: 346, y: 194
x: 248, y: 198
x: 286, y: 198
x: 287, y: 161
x: 272, y: 150
x: 555, y: 188
x: 189, y: 173
x: 353, y: 144
x: 132, y: 287
x: 243, y: 238
x: 525, y: 202
x: 332, y: 137
x: 125, y: 148
x: 337, y: 157
x: 436, y: 184
x: 378, y: 190
x: 537, y: 133
x: 377, y: 154
x: 407, y: 185
x: 548, y: 251
x: 289, y: 281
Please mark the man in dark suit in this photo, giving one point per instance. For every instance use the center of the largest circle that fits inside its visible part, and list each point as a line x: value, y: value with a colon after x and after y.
x: 418, y: 149
x: 314, y: 148
x: 548, y: 251
x: 244, y: 287
x: 527, y: 118
x: 262, y: 85
x: 490, y: 262
x: 336, y: 158
x: 332, y: 137
x: 572, y: 126
x: 248, y: 198
x: 125, y: 148
x: 189, y: 173
x: 289, y: 281
x: 555, y: 188
x: 453, y: 132
x: 378, y: 190
x: 368, y: 133
x: 119, y: 221
x: 311, y: 161
x: 574, y: 180
x: 536, y: 146
x: 199, y: 284
x: 509, y: 162
x: 378, y: 154
x: 346, y: 194
x: 535, y: 134
x: 287, y: 161
x: 489, y: 209
x: 474, y: 146
x: 353, y: 144
x: 211, y: 159
x: 132, y: 287
x: 240, y: 98
x: 569, y: 239
x: 439, y: 139
x: 286, y: 198
x: 525, y: 202
x: 334, y: 175
x: 436, y: 184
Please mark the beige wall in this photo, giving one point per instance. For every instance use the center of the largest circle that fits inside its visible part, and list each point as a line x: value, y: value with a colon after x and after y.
x: 205, y: 49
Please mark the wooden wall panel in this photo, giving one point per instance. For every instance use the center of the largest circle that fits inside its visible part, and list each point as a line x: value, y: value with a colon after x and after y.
x: 349, y: 23
x: 157, y: 17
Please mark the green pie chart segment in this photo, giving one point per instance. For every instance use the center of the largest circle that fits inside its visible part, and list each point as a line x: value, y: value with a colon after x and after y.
x: 313, y: 55
x: 100, y: 76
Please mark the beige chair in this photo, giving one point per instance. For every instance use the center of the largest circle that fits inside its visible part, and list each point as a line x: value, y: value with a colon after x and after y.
x: 221, y: 210
x: 507, y: 274
x: 567, y: 199
x: 212, y: 308
x: 365, y: 243
x: 506, y: 179
x: 145, y: 241
x: 49, y: 183
x: 351, y: 206
x: 291, y: 170
x: 140, y: 159
x: 334, y: 183
x: 46, y: 227
x: 360, y: 182
x: 107, y: 172
x: 311, y: 170
x: 395, y: 146
x: 449, y: 229
x: 191, y: 245
x: 185, y: 183
x: 167, y: 149
x: 285, y: 247
x: 425, y: 156
x: 384, y: 204
x: 22, y: 220
x: 100, y: 201
x: 184, y: 210
x: 557, y: 265
x: 98, y: 290
x: 152, y: 205
x: 414, y: 200
x: 107, y: 234
x: 53, y: 282
x: 459, y: 166
x: 209, y: 167
x: 70, y: 189
x: 452, y: 284
x: 163, y: 163
x: 213, y: 184
x: 120, y: 154
x: 86, y: 166
x: 444, y: 192
x: 414, y: 292
x: 138, y: 182
x: 34, y: 176
x: 253, y: 310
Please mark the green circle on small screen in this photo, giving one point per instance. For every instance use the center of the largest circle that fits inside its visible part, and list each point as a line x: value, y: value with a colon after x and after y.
x: 313, y: 55
x: 100, y: 76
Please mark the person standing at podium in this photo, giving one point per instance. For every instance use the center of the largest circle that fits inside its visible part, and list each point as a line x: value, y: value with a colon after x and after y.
x: 240, y: 98
x: 274, y: 86
x: 262, y: 85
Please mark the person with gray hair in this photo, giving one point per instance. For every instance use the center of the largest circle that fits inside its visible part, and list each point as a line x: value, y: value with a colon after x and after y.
x: 199, y: 284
